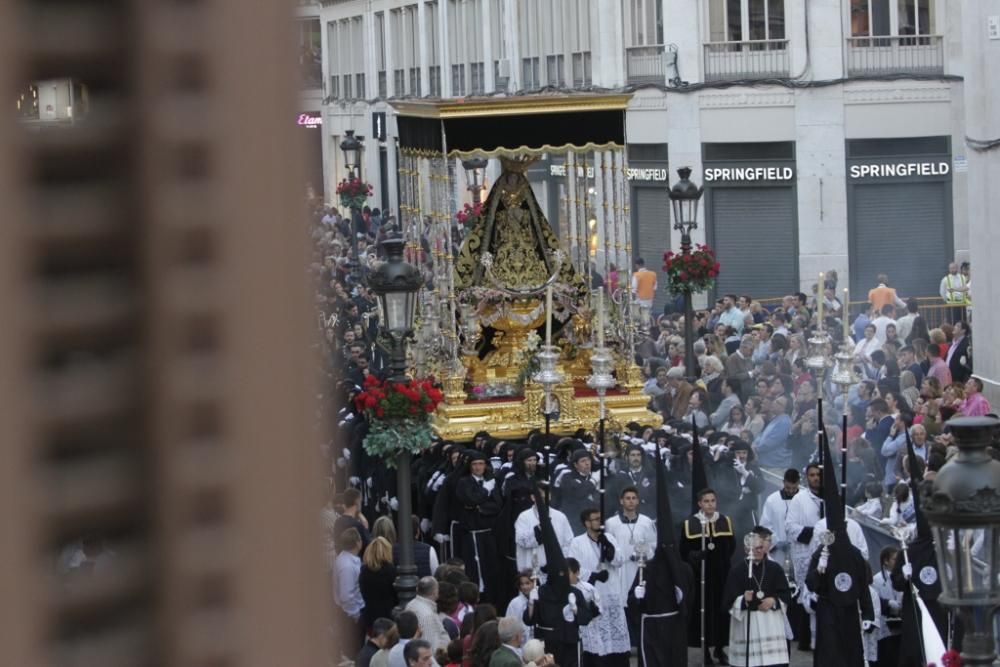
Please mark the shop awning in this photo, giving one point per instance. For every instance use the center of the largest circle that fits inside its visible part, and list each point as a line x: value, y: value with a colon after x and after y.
x: 528, y: 124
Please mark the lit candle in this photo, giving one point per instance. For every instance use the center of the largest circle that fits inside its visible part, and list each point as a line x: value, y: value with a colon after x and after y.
x: 846, y: 317
x: 600, y: 318
x: 548, y: 315
x: 819, y: 302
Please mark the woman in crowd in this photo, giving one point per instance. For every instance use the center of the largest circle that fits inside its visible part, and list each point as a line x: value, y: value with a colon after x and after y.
x: 863, y: 349
x: 796, y: 348
x: 754, y: 420
x: 375, y: 581
x: 737, y: 421
x: 908, y: 389
x: 939, y: 338
x: 696, y: 408
x: 485, y: 640
x: 483, y: 614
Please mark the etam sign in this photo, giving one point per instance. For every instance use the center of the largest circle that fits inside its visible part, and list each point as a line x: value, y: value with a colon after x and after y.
x: 900, y: 169
x: 309, y: 120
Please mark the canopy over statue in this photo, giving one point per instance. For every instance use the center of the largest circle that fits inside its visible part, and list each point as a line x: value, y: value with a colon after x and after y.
x: 484, y: 312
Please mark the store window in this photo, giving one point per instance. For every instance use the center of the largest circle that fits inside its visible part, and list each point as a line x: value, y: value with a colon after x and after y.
x: 310, y: 53
x: 746, y: 20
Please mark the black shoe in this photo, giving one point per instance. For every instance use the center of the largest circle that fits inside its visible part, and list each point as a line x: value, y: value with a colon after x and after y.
x: 707, y: 660
x: 721, y: 658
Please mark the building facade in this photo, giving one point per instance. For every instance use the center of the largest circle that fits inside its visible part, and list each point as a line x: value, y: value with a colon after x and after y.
x: 822, y: 131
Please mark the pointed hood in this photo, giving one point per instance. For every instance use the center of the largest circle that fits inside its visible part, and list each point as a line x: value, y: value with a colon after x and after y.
x: 916, y: 476
x: 555, y: 561
x: 831, y: 494
x: 699, y: 480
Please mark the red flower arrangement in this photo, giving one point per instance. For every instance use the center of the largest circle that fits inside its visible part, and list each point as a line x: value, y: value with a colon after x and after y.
x: 469, y: 213
x: 695, y: 271
x: 951, y: 658
x: 353, y: 192
x: 398, y: 415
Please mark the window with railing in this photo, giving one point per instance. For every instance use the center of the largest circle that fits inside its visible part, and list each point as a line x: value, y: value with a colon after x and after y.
x: 348, y: 87
x: 359, y: 86
x: 458, y: 80
x: 399, y: 81
x: 477, y: 72
x: 435, y: 77
x: 645, y: 64
x: 530, y: 73
x: 643, y: 20
x: 894, y: 37
x: 746, y: 40
x: 383, y: 84
x: 380, y: 55
x: 581, y: 70
x: 334, y: 91
x: 554, y: 70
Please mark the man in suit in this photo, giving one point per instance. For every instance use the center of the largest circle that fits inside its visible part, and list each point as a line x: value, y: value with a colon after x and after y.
x: 511, y: 631
x: 958, y: 354
x: 738, y: 368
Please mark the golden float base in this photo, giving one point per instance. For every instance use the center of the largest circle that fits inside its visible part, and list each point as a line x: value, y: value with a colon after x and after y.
x: 513, y: 418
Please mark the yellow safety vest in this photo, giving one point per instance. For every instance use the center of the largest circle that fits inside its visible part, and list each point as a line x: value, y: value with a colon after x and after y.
x: 956, y: 298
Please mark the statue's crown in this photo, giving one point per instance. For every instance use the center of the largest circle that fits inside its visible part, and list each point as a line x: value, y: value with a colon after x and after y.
x: 517, y: 163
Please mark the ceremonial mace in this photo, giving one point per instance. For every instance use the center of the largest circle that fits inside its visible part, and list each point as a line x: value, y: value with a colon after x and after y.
x: 641, y: 554
x: 749, y: 542
x: 704, y: 528
x: 600, y: 381
x: 844, y: 377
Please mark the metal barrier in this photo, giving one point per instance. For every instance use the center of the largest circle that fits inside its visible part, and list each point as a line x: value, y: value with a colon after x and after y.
x: 644, y: 64
x: 755, y: 59
x: 896, y: 54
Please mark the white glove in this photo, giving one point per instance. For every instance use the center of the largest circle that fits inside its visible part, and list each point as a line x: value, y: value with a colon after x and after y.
x: 678, y: 593
x: 341, y: 462
x: 571, y: 602
x: 393, y: 504
x: 369, y: 483
x: 355, y: 481
x: 533, y: 595
x: 666, y: 460
x: 568, y: 614
x: 441, y: 538
x: 347, y: 454
x: 894, y: 605
x: 640, y: 592
x: 824, y: 560
x: 739, y: 466
x: 867, y: 626
x: 425, y: 526
x: 908, y: 571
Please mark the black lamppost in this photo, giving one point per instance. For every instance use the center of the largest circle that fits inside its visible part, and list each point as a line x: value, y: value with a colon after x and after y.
x: 475, y: 169
x: 396, y: 282
x: 963, y: 507
x: 684, y: 196
x: 352, y: 147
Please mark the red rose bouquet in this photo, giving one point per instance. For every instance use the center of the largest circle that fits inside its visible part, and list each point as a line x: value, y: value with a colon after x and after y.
x: 398, y: 415
x: 695, y: 271
x: 353, y: 192
x: 469, y: 214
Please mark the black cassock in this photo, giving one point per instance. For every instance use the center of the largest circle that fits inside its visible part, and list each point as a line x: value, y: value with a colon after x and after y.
x: 561, y: 637
x: 767, y: 581
x: 717, y: 557
x: 926, y: 579
x: 663, y: 619
x: 478, y: 513
x: 841, y: 588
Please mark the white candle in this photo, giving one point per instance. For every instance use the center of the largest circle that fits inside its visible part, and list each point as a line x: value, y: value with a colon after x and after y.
x: 819, y: 302
x: 600, y: 318
x: 847, y: 326
x: 548, y: 315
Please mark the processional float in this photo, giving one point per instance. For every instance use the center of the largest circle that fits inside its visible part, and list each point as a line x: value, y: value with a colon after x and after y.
x: 508, y: 320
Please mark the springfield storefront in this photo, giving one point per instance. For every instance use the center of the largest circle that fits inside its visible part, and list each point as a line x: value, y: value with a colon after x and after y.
x: 751, y: 216
x: 899, y: 198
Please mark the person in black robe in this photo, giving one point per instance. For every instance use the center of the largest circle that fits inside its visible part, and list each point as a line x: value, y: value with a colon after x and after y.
x: 662, y: 592
x: 516, y: 490
x: 707, y: 542
x: 838, y: 581
x: 638, y: 473
x: 763, y: 589
x: 444, y: 515
x: 576, y: 490
x: 916, y: 572
x: 477, y: 497
x: 557, y: 609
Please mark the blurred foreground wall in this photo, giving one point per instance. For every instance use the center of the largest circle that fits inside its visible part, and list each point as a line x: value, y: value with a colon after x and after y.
x: 155, y: 359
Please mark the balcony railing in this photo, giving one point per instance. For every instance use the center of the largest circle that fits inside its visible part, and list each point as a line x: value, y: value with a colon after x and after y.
x: 644, y: 64
x: 897, y: 54
x: 756, y: 59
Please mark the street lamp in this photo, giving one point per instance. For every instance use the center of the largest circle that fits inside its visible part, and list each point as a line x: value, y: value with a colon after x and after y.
x: 963, y: 507
x: 396, y: 283
x: 352, y: 147
x: 475, y: 169
x: 684, y: 196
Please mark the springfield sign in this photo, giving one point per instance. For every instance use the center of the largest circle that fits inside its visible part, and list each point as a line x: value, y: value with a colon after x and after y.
x: 901, y: 169
x: 749, y: 174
